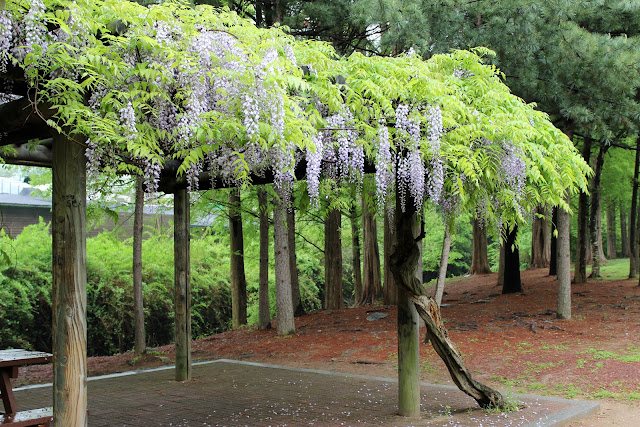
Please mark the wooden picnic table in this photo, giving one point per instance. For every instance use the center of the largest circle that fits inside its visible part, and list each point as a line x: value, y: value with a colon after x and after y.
x: 10, y: 360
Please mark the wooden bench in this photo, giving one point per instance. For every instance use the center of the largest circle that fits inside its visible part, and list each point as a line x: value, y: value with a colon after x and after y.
x: 35, y: 417
x: 9, y: 362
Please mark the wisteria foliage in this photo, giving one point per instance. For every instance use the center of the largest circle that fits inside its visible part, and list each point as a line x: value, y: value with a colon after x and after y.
x: 200, y: 88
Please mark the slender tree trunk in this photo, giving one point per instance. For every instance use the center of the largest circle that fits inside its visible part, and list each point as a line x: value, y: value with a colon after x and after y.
x: 596, y: 244
x: 444, y: 263
x: 633, y: 252
x: 284, y: 302
x: 403, y: 263
x: 238, y: 279
x: 355, y: 247
x: 371, y: 280
x: 611, y: 231
x: 501, y: 264
x: 599, y: 229
x: 512, y: 282
x: 69, y: 263
x: 553, y: 260
x: 264, y: 314
x: 333, y: 261
x: 298, y: 309
x: 182, y: 284
x: 624, y: 237
x: 389, y: 289
x: 564, y: 263
x: 138, y: 305
x: 480, y: 257
x: 580, y: 275
x: 540, y: 242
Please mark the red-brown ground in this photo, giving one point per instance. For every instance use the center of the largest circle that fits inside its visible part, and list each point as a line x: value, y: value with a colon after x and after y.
x: 512, y: 342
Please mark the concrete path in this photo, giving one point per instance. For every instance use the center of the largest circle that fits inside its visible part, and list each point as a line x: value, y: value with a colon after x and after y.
x: 234, y: 393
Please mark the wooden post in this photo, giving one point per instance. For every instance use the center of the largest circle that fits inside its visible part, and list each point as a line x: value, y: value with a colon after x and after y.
x: 408, y: 344
x: 181, y: 250
x: 69, y: 284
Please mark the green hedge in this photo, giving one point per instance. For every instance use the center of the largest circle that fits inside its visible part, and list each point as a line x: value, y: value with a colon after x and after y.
x: 25, y: 290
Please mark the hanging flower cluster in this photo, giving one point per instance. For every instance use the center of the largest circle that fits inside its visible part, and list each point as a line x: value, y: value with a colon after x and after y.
x: 195, y: 91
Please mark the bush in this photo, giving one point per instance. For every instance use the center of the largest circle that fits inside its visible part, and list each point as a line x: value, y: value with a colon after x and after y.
x: 26, y: 286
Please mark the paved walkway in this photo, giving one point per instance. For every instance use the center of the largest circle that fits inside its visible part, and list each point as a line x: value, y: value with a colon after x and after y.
x: 233, y: 393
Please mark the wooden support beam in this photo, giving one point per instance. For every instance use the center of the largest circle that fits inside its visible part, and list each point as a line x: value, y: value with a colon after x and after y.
x: 69, y: 284
x: 181, y: 245
x: 409, y: 345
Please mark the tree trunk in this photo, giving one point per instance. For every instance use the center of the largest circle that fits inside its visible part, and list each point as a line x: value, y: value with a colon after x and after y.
x: 564, y: 263
x: 284, y: 303
x: 611, y: 231
x: 580, y: 275
x: 501, y: 264
x: 69, y: 264
x: 633, y: 251
x: 403, y: 264
x: 553, y: 259
x: 182, y: 284
x: 371, y: 280
x: 138, y: 304
x: 355, y: 247
x: 480, y: 258
x: 596, y: 243
x: 264, y: 314
x: 444, y: 262
x: 238, y: 279
x: 512, y: 282
x: 333, y: 261
x: 624, y: 237
x: 540, y: 242
x: 298, y: 310
x: 389, y: 289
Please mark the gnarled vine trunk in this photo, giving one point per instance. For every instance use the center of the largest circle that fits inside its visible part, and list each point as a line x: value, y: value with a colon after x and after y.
x: 444, y: 262
x: 403, y: 263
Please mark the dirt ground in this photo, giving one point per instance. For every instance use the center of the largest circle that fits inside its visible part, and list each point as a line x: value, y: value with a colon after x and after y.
x: 510, y: 342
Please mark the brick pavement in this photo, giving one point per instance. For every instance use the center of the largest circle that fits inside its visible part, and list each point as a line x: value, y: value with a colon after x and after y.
x: 233, y: 393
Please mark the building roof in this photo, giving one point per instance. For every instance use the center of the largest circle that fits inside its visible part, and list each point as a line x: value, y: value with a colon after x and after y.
x: 21, y: 200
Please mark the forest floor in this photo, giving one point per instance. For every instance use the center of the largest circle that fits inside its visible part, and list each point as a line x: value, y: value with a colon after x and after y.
x: 511, y: 342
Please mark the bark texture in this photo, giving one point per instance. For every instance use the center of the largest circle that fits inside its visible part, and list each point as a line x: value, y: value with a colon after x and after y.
x: 138, y: 304
x: 595, y: 228
x: 540, y: 239
x: 633, y: 250
x: 298, y: 310
x: 553, y: 260
x: 333, y: 261
x: 355, y: 247
x: 182, y: 284
x: 564, y: 264
x: 480, y: 257
x: 512, y: 282
x: 264, y: 315
x: 284, y: 302
x: 389, y: 288
x: 444, y: 263
x: 69, y: 261
x: 371, y: 280
x: 624, y: 236
x: 403, y: 263
x: 238, y: 279
x: 611, y: 231
x: 580, y: 275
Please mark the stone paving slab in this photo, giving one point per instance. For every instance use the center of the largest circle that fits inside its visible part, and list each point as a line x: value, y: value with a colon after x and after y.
x: 235, y: 393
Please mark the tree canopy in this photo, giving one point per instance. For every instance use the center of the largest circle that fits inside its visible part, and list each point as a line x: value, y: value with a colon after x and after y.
x: 203, y: 90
